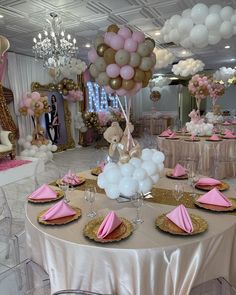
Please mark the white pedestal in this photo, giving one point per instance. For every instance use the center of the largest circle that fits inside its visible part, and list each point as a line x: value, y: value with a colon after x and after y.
x: 26, y: 170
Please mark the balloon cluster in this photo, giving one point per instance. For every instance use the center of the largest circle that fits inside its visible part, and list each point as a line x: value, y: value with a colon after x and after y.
x: 163, y: 58
x: 201, y: 128
x: 122, y: 60
x: 66, y: 85
x: 74, y: 96
x: 33, y: 104
x: 43, y: 152
x: 138, y: 175
x: 160, y: 81
x: 224, y: 74
x: 91, y: 120
x: 188, y: 67
x: 74, y: 67
x: 200, y: 86
x: 79, y: 123
x: 216, y: 91
x: 200, y: 26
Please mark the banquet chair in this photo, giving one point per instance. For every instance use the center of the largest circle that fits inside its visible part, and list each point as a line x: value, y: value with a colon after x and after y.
x: 80, y: 292
x: 11, y: 230
x: 51, y: 173
x: 26, y: 278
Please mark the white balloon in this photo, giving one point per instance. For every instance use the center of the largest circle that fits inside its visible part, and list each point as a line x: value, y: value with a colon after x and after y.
x: 174, y: 20
x: 27, y: 145
x: 233, y: 19
x: 213, y: 22
x: 155, y: 178
x: 226, y: 13
x: 185, y: 25
x: 113, y: 175
x: 186, y: 43
x: 145, y: 185
x: 31, y: 153
x: 110, y: 165
x: 29, y: 137
x: 160, y: 167
x: 140, y: 174
x: 128, y: 186
x: 199, y: 13
x: 226, y: 29
x: 49, y: 155
x: 150, y: 167
x: 112, y: 191
x: 199, y: 35
x: 127, y: 169
x: 215, y: 8
x: 34, y: 147
x: 21, y: 141
x: 146, y: 154
x: 214, y: 38
x: 136, y: 162
x: 186, y: 13
x: 174, y: 36
x: 54, y: 148
x: 158, y: 157
x: 102, y: 182
x: 24, y: 153
x: 43, y: 148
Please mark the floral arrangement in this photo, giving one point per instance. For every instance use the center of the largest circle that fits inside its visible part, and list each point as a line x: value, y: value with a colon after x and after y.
x: 33, y: 104
x: 110, y: 115
x: 216, y: 91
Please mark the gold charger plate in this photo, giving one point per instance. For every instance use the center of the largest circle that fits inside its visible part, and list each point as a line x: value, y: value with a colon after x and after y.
x: 164, y: 136
x: 214, y: 140
x: 165, y: 224
x: 121, y: 232
x: 192, y: 140
x: 60, y: 195
x: 96, y: 171
x: 221, y: 187
x: 82, y: 180
x: 59, y: 221
x: 170, y: 175
x: 217, y: 208
x: 172, y: 138
x: 228, y: 137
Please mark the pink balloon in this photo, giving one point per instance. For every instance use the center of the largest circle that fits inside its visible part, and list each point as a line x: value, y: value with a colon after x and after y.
x: 108, y: 36
x: 113, y: 70
x: 30, y: 112
x: 108, y: 89
x: 117, y: 42
x: 92, y: 55
x: 27, y: 102
x: 138, y: 36
x: 121, y: 92
x: 130, y: 45
x: 35, y: 95
x: 127, y: 72
x: 125, y: 32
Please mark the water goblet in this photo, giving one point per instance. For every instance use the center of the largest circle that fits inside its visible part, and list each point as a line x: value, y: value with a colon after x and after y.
x: 178, y: 191
x: 89, y: 195
x: 64, y: 187
x: 137, y: 201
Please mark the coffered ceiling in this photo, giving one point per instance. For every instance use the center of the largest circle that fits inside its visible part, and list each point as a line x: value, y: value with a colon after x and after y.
x: 85, y: 19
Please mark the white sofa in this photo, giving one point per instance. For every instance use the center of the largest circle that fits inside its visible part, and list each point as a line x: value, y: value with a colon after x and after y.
x: 7, y: 146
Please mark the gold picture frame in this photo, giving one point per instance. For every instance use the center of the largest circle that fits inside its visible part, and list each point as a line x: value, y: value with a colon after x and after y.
x: 51, y: 89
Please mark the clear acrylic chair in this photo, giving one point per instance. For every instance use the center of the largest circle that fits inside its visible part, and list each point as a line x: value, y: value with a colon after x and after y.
x: 26, y: 278
x: 11, y: 229
x: 80, y: 292
x: 51, y: 173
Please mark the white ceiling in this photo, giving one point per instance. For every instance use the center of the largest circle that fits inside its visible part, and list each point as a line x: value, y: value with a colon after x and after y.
x: 84, y: 19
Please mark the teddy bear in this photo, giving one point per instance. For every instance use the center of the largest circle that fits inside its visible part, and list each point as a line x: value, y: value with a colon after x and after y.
x: 121, y: 141
x: 216, y: 110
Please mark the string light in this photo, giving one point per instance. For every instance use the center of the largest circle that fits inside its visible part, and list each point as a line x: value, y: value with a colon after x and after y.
x: 99, y: 100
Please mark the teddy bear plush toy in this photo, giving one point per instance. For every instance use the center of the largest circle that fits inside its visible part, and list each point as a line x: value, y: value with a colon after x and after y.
x: 122, y: 141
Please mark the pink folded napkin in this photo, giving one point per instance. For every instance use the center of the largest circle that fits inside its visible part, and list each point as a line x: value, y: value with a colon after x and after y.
x: 43, y: 192
x: 208, y: 181
x: 215, y: 197
x: 110, y: 222
x: 226, y: 123
x: 179, y: 170
x: 234, y: 121
x: 181, y: 218
x: 227, y: 131
x: 192, y: 137
x: 59, y: 210
x: 214, y: 137
x: 229, y: 135
x: 169, y: 131
x: 173, y: 135
x: 164, y: 133
x: 71, y: 178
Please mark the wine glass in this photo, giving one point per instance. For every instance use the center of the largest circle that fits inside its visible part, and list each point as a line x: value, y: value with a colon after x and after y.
x: 137, y: 200
x: 64, y: 187
x: 178, y: 191
x: 89, y: 195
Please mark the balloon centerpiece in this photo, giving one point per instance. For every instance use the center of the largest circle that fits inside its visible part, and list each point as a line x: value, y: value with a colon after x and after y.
x: 35, y: 105
x: 216, y: 91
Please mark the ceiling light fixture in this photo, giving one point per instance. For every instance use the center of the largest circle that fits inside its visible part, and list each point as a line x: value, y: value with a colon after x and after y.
x: 157, y: 33
x: 53, y: 46
x: 88, y: 45
x: 1, y: 16
x: 232, y: 59
x: 227, y: 47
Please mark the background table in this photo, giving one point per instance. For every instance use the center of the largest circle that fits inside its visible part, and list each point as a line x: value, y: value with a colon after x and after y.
x: 217, y: 159
x: 148, y: 262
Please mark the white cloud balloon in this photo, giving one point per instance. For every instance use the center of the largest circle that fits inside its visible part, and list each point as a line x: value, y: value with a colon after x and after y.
x: 160, y: 81
x: 224, y: 74
x: 188, y: 67
x: 200, y: 26
x: 163, y: 58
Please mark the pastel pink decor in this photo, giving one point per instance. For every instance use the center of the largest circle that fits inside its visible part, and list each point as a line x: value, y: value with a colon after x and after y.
x: 6, y: 164
x: 173, y: 135
x: 102, y: 165
x: 165, y: 133
x: 110, y: 222
x: 215, y: 197
x: 71, y: 178
x: 86, y: 76
x: 193, y: 137
x: 125, y: 33
x: 43, y: 192
x: 113, y: 70
x: 234, y: 121
x: 229, y: 135
x: 208, y: 181
x: 228, y: 131
x: 226, y: 123
x: 138, y: 36
x: 214, y: 137
x: 181, y: 218
x: 59, y: 210
x: 179, y: 170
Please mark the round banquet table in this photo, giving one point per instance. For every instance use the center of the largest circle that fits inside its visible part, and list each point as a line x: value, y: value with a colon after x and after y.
x: 148, y: 262
x: 214, y: 158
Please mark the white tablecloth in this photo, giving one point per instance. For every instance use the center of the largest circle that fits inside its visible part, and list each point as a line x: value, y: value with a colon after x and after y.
x: 148, y: 262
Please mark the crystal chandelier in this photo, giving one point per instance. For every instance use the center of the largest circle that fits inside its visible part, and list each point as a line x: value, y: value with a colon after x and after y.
x: 52, y: 45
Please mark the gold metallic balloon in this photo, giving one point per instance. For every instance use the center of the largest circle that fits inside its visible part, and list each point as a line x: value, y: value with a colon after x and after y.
x: 69, y: 86
x: 128, y: 84
x: 150, y: 43
x: 64, y: 91
x: 109, y: 56
x: 101, y: 49
x: 113, y: 28
x: 116, y: 83
x: 148, y: 75
x: 64, y: 81
x: 59, y: 86
x: 139, y: 75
